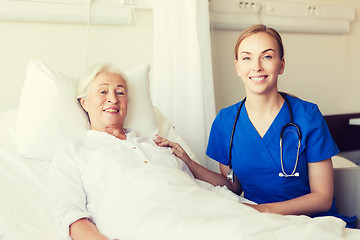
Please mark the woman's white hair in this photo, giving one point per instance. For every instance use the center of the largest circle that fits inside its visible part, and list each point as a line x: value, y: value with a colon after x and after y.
x: 90, y: 74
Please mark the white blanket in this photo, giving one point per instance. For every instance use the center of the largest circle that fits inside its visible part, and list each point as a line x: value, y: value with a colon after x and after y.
x: 166, y: 204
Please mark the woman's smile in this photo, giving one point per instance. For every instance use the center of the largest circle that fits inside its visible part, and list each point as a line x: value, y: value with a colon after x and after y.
x: 111, y: 110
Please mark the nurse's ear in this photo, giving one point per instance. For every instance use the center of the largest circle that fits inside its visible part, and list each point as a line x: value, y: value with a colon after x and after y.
x: 282, y: 66
x: 236, y: 68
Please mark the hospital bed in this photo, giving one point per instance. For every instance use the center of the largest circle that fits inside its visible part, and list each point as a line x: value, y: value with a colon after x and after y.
x: 25, y: 204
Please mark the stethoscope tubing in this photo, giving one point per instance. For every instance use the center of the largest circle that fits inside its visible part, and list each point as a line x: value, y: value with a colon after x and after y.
x: 230, y: 175
x: 233, y: 131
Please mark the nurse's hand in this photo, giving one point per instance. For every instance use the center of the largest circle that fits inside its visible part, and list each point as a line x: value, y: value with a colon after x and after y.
x: 259, y: 207
x: 176, y: 149
x: 200, y: 172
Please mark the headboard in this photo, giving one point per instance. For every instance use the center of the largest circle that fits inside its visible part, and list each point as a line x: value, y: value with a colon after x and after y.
x: 346, y: 136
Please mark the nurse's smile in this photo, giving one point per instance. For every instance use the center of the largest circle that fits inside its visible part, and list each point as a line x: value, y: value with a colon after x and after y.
x: 258, y: 78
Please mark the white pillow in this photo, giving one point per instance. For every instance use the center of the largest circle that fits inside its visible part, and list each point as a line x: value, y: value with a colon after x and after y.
x: 50, y: 116
x: 140, y: 114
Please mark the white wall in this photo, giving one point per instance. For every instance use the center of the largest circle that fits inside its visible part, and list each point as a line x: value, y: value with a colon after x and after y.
x: 319, y: 68
x: 64, y: 47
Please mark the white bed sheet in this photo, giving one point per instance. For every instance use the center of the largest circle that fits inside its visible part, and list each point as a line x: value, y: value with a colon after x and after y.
x: 25, y: 209
x: 25, y: 205
x: 164, y: 203
x: 25, y: 202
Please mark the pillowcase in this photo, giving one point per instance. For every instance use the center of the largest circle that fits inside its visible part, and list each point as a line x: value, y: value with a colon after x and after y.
x: 50, y: 116
x: 140, y: 113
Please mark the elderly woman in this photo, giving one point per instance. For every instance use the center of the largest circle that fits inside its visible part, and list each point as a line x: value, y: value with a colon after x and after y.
x: 83, y: 170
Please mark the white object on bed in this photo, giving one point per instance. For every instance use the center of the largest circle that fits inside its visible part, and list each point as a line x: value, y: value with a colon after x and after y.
x: 341, y: 162
x: 347, y: 186
x: 164, y: 203
x: 25, y: 207
x: 347, y: 190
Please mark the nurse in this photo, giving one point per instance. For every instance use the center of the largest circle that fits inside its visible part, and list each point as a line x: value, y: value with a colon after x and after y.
x: 260, y: 172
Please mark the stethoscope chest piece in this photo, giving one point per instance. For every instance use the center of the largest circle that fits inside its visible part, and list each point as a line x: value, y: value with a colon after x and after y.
x: 230, y: 175
x: 287, y: 175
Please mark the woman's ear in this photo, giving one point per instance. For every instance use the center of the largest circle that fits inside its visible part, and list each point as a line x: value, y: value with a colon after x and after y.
x: 282, y: 67
x: 83, y: 102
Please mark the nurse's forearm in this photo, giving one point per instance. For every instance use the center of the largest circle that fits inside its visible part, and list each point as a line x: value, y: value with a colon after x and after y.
x: 211, y: 177
x: 305, y: 205
x: 319, y: 200
x: 197, y: 170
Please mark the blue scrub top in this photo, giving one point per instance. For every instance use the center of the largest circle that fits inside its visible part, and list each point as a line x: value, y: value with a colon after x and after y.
x: 256, y: 159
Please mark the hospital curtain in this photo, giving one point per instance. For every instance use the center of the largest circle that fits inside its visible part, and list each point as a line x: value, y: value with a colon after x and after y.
x: 182, y: 84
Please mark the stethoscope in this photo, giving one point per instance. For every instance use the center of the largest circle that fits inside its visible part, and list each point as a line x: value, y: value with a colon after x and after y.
x: 230, y: 175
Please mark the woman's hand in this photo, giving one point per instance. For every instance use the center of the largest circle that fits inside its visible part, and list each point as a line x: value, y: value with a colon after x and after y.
x: 83, y: 229
x: 176, y: 149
